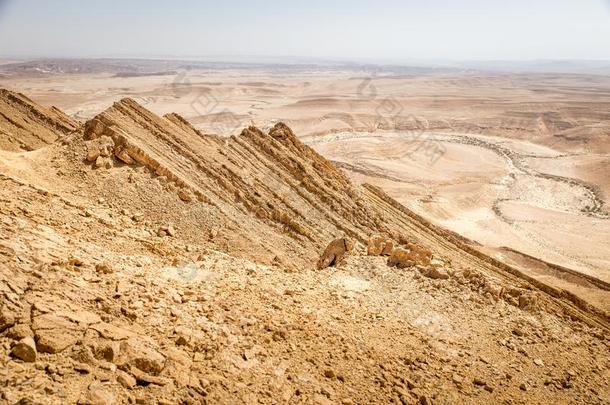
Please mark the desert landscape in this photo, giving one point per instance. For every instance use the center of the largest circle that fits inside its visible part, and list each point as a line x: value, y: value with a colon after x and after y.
x: 194, y: 232
x: 518, y: 163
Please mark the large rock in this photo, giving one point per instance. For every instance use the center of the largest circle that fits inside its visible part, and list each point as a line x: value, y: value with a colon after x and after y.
x: 334, y: 253
x: 135, y: 353
x: 435, y: 273
x: 401, y: 258
x: 7, y: 319
x: 100, y: 147
x: 378, y: 245
x: 54, y: 334
x: 178, y: 366
x: 25, y: 350
x: 97, y: 394
x: 19, y: 331
x: 409, y: 256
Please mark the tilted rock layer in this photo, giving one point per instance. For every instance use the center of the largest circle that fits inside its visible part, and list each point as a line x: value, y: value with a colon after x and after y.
x: 25, y: 125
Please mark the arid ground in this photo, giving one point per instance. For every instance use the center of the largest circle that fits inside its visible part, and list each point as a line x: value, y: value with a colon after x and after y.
x: 519, y: 163
x: 189, y: 232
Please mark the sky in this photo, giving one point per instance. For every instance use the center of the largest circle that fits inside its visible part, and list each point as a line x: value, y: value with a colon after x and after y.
x: 388, y: 30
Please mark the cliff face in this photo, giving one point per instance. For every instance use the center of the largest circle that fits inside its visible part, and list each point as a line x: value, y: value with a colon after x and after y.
x: 25, y: 125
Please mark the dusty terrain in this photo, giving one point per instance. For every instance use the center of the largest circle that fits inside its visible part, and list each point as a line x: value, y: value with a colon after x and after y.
x: 143, y: 260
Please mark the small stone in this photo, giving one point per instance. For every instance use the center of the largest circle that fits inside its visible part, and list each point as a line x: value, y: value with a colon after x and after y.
x: 75, y: 261
x: 146, y: 378
x: 478, y: 381
x: 166, y: 231
x: 108, y: 352
x: 103, y: 268
x: 92, y: 155
x: 20, y: 331
x: 329, y: 373
x: 423, y: 400
x: 7, y: 319
x: 436, y: 273
x: 518, y: 332
x: 82, y: 368
x: 135, y: 353
x: 97, y: 395
x: 409, y: 256
x: 171, y: 231
x: 538, y: 362
x: 103, y: 162
x: 185, y: 195
x: 378, y: 245
x: 123, y: 156
x: 126, y: 380
x: 320, y: 399
x: 25, y: 350
x: 523, y: 387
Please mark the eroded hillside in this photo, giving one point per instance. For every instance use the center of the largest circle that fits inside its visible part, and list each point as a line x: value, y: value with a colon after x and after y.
x: 142, y: 260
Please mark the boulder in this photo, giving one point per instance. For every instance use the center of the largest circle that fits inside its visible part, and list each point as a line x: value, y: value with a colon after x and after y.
x: 103, y: 268
x: 435, y: 273
x: 103, y: 162
x: 25, y: 350
x: 135, y: 353
x: 409, y: 256
x: 54, y: 333
x: 335, y: 253
x: 185, y: 195
x: 378, y: 245
x: 100, y: 147
x: 401, y: 258
x: 7, y: 319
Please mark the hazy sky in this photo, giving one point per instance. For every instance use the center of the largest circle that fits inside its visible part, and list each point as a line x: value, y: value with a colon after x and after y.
x: 383, y: 29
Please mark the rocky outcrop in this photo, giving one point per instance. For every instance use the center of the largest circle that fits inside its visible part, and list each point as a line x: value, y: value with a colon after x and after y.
x: 378, y: 245
x: 26, y: 125
x: 410, y: 255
